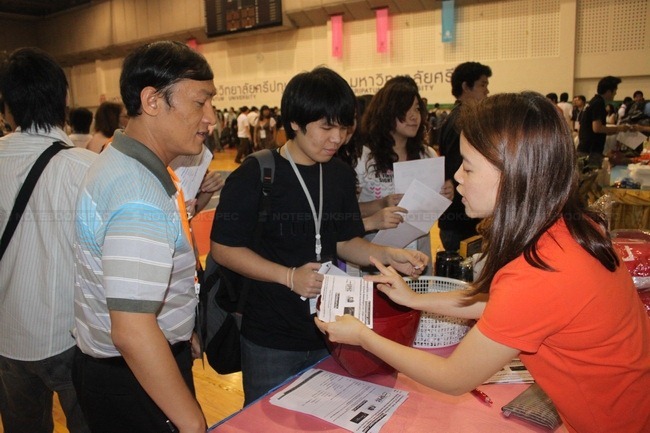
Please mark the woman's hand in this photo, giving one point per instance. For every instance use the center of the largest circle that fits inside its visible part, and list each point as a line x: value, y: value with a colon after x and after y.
x: 447, y: 190
x: 392, y: 284
x: 392, y: 200
x: 346, y: 329
x: 212, y: 182
x: 387, y: 218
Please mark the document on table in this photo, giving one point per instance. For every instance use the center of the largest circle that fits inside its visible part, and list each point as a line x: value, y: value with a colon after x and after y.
x: 190, y: 170
x: 346, y: 295
x: 424, y: 207
x: 514, y: 372
x: 352, y: 404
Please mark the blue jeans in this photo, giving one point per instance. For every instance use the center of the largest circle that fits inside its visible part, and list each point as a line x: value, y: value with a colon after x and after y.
x: 26, y: 389
x: 264, y: 368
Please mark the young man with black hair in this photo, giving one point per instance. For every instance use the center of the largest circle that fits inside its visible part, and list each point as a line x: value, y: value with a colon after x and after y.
x: 469, y: 84
x: 314, y: 217
x: 37, y: 269
x: 593, y: 125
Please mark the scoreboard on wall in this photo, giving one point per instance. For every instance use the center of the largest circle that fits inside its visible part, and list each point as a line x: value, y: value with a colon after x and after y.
x: 224, y: 17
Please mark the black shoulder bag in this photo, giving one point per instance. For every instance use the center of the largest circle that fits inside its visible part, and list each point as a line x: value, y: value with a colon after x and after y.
x: 26, y: 192
x: 223, y: 292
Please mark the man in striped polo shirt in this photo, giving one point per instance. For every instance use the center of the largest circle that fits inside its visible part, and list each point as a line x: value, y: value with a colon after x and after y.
x: 135, y: 290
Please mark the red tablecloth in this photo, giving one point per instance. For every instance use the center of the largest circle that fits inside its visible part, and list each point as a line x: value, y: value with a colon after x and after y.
x: 425, y: 410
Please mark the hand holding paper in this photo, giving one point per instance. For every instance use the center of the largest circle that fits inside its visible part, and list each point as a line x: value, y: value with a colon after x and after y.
x: 419, y: 181
x: 190, y: 169
x: 424, y: 207
x: 346, y: 295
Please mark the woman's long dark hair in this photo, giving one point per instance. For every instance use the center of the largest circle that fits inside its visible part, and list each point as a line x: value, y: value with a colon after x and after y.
x: 392, y: 102
x: 528, y: 141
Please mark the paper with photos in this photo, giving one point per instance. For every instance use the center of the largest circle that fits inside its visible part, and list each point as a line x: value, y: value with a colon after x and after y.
x: 352, y: 404
x: 346, y: 295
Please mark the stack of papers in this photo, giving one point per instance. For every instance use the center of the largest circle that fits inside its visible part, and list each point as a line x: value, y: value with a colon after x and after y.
x: 351, y: 404
x: 514, y: 372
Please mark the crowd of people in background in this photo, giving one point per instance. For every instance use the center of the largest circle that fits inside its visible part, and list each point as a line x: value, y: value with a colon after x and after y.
x: 248, y: 129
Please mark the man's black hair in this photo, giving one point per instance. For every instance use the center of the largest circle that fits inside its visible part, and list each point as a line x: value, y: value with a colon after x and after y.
x: 552, y: 97
x: 159, y: 65
x: 318, y: 94
x: 470, y: 73
x: 608, y: 83
x: 34, y: 89
x: 80, y: 120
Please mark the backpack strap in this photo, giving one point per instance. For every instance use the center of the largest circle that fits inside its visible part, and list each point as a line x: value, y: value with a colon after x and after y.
x: 25, y: 192
x: 267, y: 174
x: 266, y: 161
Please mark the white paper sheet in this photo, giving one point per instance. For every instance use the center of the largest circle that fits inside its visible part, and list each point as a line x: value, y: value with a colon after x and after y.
x: 191, y: 169
x: 351, y: 404
x: 631, y: 139
x: 346, y: 295
x: 325, y: 268
x: 424, y: 207
x: 429, y: 171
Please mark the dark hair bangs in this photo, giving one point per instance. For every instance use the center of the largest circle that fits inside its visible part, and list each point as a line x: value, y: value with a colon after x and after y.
x: 315, y: 95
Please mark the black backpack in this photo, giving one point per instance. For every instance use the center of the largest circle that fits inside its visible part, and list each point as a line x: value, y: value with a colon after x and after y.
x: 636, y: 114
x: 223, y: 292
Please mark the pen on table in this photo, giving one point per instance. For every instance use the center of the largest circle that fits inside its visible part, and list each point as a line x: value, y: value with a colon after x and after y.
x: 481, y: 396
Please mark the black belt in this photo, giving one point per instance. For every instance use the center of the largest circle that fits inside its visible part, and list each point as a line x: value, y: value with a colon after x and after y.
x: 176, y: 349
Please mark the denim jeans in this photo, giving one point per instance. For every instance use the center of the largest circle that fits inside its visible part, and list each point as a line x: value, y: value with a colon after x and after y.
x: 26, y: 392
x: 264, y: 368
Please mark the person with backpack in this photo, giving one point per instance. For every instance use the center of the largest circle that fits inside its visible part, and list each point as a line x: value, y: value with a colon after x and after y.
x: 313, y: 218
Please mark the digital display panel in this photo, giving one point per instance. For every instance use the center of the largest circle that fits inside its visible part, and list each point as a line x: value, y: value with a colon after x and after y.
x: 224, y: 17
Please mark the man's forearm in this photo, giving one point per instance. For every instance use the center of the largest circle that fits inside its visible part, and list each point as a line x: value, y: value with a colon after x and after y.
x: 248, y: 263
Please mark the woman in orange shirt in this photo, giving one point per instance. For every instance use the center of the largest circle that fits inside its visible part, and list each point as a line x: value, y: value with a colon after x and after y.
x: 552, y: 290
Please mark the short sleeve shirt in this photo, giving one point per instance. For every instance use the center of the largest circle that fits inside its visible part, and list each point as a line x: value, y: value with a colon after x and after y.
x: 275, y: 316
x: 583, y: 333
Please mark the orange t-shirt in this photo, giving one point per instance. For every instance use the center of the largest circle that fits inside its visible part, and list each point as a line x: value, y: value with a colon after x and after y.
x: 583, y: 333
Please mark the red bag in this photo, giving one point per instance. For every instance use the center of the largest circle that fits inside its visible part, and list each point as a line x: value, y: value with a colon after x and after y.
x: 633, y: 246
